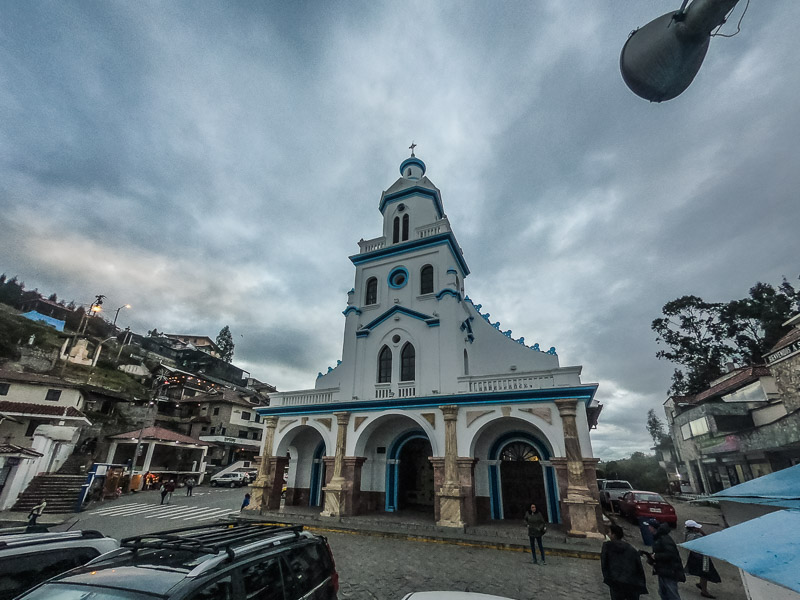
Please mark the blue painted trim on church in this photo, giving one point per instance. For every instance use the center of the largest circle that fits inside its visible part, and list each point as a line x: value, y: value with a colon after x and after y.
x: 584, y: 393
x: 413, y: 191
x: 397, y: 249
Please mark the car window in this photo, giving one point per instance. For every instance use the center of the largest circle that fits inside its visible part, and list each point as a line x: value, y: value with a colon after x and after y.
x: 649, y: 498
x: 263, y: 580
x: 23, y: 571
x: 310, y: 567
x: 219, y: 589
x: 617, y: 485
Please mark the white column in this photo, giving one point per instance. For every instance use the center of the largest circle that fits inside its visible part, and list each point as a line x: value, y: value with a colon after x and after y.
x: 112, y: 450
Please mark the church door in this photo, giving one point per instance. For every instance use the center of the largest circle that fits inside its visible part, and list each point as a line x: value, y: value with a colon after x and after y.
x: 522, y: 480
x: 415, y: 476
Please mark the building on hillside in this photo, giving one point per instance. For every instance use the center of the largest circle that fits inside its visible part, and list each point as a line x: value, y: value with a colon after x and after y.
x: 745, y: 425
x: 200, y: 342
x: 432, y: 408
x: 46, y: 307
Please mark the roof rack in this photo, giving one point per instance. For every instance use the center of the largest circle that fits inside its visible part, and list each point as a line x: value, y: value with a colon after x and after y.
x: 20, y: 539
x: 208, y: 539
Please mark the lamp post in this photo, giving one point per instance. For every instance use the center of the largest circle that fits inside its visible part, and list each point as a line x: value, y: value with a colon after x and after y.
x: 116, y: 314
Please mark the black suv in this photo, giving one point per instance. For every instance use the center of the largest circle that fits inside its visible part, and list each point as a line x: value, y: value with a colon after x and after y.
x: 229, y: 561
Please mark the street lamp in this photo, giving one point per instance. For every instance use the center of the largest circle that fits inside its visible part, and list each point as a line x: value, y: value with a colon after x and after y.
x: 116, y: 314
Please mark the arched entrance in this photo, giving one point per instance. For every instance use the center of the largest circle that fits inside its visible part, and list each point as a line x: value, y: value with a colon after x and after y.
x: 317, y: 476
x: 520, y: 475
x: 409, y: 474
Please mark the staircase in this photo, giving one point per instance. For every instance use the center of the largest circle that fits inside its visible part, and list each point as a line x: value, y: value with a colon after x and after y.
x: 76, y: 464
x: 60, y: 491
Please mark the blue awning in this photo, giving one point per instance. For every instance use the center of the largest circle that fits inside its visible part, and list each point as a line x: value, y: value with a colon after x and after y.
x: 780, y: 485
x: 767, y: 547
x: 36, y: 316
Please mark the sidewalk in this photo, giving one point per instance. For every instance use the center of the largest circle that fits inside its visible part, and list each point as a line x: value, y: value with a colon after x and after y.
x: 503, y: 535
x: 16, y: 519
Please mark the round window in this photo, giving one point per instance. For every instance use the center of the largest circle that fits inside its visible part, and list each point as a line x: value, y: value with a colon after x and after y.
x: 396, y: 338
x: 398, y: 277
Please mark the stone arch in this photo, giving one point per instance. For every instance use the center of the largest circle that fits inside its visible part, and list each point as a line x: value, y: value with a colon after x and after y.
x: 488, y: 443
x: 305, y: 444
x: 362, y: 436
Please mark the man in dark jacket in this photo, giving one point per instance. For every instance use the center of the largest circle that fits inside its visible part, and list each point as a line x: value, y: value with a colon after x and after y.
x: 622, y: 567
x: 666, y: 561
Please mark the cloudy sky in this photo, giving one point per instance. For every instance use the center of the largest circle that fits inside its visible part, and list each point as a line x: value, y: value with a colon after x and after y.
x: 215, y: 164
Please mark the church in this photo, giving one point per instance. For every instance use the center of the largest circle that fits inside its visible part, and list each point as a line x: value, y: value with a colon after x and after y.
x: 432, y: 409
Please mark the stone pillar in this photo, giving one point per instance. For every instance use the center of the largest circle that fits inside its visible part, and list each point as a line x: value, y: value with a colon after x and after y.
x: 578, y: 504
x: 262, y: 491
x: 335, y: 492
x: 466, y: 481
x: 449, y: 494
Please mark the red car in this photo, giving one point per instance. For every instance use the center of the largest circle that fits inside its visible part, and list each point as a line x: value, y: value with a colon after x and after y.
x: 636, y: 504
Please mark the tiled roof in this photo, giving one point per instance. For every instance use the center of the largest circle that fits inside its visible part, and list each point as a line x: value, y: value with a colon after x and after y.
x: 159, y: 434
x: 743, y: 377
x: 790, y: 337
x: 28, y: 408
x: 224, y: 395
x: 6, y: 375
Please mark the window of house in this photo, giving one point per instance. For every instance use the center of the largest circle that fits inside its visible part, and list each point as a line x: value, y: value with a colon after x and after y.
x: 245, y: 416
x: 396, y: 230
x: 4, y: 388
x: 385, y: 365
x: 371, y: 296
x: 216, y: 411
x: 258, y: 418
x: 243, y: 434
x: 53, y: 395
x: 407, y: 360
x: 699, y: 426
x: 426, y: 280
x: 32, y: 425
x: 405, y: 227
x: 204, y: 428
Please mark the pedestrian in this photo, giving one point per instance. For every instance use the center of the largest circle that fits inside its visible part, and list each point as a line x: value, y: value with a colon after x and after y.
x: 163, y: 490
x: 537, y: 526
x: 666, y: 561
x: 245, y: 502
x: 622, y: 567
x: 644, y: 529
x: 698, y: 564
x: 189, y: 486
x: 36, y: 512
x: 170, y: 487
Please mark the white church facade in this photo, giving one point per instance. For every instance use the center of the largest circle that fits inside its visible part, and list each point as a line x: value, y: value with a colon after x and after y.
x: 432, y: 408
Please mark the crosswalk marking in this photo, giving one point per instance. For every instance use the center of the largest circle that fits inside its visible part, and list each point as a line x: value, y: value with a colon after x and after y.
x: 164, y: 511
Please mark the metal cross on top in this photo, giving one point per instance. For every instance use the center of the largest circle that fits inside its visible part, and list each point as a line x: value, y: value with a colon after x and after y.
x: 411, y: 147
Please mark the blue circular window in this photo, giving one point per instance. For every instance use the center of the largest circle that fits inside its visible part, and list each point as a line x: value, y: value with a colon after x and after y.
x: 398, y: 278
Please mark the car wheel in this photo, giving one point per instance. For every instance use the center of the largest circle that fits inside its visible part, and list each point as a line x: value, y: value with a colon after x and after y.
x: 213, y: 484
x: 233, y: 484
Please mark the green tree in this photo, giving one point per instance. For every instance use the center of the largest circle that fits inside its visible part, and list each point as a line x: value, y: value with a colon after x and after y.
x: 641, y: 470
x: 225, y: 344
x: 655, y: 427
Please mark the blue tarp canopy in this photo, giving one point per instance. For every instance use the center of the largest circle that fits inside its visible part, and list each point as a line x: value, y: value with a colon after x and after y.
x: 767, y: 547
x: 781, y: 488
x: 37, y: 316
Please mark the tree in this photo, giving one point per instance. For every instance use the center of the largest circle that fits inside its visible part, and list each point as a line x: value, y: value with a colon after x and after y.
x: 53, y: 298
x: 655, y: 427
x: 225, y: 344
x: 692, y: 330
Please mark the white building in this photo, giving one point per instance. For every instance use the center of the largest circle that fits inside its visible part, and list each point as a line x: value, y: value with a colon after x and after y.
x: 432, y: 407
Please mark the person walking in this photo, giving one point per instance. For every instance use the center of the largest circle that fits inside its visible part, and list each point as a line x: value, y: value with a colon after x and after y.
x: 163, y: 490
x: 622, y: 568
x: 666, y: 561
x: 698, y: 564
x: 537, y: 526
x: 36, y: 512
x: 170, y: 487
x: 189, y: 486
x: 245, y: 502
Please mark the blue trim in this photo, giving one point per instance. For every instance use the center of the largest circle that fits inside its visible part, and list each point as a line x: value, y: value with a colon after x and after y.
x: 412, y: 161
x: 350, y: 309
x: 393, y: 470
x: 448, y: 292
x: 584, y: 393
x: 314, y: 495
x: 393, y: 273
x: 395, y: 309
x: 453, y: 271
x: 406, y: 247
x: 413, y: 191
x: 548, y: 473
x: 362, y: 333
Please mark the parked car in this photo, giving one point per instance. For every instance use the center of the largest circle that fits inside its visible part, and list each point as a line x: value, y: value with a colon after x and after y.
x: 231, y: 479
x: 251, y: 475
x: 27, y: 559
x: 612, y: 490
x: 636, y: 504
x: 224, y: 561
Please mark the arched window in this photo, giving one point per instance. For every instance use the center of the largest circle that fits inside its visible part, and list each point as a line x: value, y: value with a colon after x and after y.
x: 407, y: 362
x: 396, y: 230
x: 385, y: 365
x: 405, y: 227
x: 426, y: 280
x: 466, y: 363
x: 371, y: 295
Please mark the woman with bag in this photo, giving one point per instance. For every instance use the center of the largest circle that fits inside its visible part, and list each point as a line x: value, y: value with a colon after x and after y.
x: 537, y: 527
x: 163, y: 490
x: 698, y: 564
